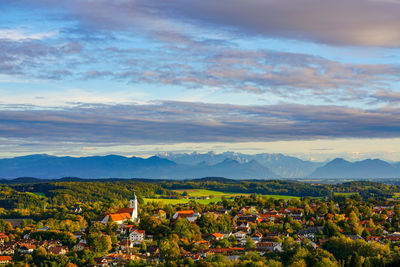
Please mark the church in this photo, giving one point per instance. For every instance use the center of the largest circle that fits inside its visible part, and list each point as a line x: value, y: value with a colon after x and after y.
x: 124, y: 214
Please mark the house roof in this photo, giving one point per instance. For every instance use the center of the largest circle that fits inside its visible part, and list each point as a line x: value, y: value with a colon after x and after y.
x: 5, y: 258
x: 116, y: 217
x: 125, y: 210
x: 185, y: 212
x: 28, y: 246
x: 140, y: 231
x: 218, y: 235
x: 202, y: 242
x: 258, y: 234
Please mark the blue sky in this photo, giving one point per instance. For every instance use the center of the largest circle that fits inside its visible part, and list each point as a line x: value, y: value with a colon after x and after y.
x: 313, y: 79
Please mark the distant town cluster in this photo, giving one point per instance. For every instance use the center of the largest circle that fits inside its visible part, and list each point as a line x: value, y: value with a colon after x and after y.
x: 340, y: 229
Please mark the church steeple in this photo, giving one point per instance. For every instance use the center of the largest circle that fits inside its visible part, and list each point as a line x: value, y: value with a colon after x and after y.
x: 134, y: 205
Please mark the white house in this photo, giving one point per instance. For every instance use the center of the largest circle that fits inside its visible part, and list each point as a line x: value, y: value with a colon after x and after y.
x: 190, y: 215
x: 137, y: 236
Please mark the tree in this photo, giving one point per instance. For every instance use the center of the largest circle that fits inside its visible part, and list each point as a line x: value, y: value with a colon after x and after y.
x: 184, y: 229
x: 353, y: 219
x: 250, y: 243
x: 367, y: 263
x: 100, y: 244
x: 331, y: 229
x: 325, y: 262
x: 355, y: 260
x: 169, y: 250
x: 143, y: 248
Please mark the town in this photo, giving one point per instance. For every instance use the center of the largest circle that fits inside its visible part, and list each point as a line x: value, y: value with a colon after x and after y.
x: 339, y: 230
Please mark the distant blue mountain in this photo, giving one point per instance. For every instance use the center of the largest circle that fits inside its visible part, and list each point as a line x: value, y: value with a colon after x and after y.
x: 45, y: 166
x: 189, y: 166
x: 282, y: 165
x: 369, y: 168
x: 114, y: 166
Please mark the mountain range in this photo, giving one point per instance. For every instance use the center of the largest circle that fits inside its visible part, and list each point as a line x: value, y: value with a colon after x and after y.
x: 369, y: 168
x: 282, y: 165
x: 193, y: 165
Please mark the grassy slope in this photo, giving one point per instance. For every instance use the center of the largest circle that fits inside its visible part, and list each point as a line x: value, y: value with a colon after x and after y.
x: 216, y: 196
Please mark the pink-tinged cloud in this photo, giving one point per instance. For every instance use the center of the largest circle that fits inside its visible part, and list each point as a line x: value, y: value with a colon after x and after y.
x: 340, y: 22
x: 179, y: 122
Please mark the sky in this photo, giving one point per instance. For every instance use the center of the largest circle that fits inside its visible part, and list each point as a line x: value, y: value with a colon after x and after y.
x: 313, y: 79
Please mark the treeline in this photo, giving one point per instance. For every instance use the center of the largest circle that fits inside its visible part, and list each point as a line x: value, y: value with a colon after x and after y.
x: 42, y: 200
x: 19, y: 200
x: 68, y: 193
x: 267, y: 187
x: 366, y: 189
x: 14, y: 199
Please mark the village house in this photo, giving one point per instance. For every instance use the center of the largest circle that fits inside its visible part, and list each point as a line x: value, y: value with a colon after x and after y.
x: 137, y: 236
x: 217, y: 236
x: 393, y: 237
x: 161, y: 214
x: 243, y: 226
x: 240, y: 235
x: 256, y: 236
x: 101, y: 262
x: 7, y: 250
x: 26, y: 248
x: 5, y: 259
x: 59, y: 250
x: 309, y: 233
x: 190, y: 215
x: 78, y: 235
x: 226, y: 234
x: 270, y: 246
x: 3, y: 238
x: 80, y: 246
x: 373, y: 238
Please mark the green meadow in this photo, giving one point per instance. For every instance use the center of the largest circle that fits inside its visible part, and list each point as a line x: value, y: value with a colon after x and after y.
x: 215, y: 196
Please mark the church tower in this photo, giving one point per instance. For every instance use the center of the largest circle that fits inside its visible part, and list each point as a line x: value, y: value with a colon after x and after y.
x: 134, y: 205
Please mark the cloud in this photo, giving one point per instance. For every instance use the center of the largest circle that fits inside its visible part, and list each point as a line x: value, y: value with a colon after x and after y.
x: 341, y: 22
x: 180, y: 122
x: 387, y: 96
x: 181, y: 52
x: 21, y: 36
x: 35, y: 57
x: 283, y: 74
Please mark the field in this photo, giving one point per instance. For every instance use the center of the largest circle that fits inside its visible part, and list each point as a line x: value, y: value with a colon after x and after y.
x: 182, y: 200
x: 214, y: 196
x: 396, y: 196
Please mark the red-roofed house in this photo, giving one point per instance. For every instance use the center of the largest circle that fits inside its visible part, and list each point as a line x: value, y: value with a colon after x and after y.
x: 5, y: 259
x: 188, y: 214
x: 3, y: 238
x: 137, y: 236
x: 217, y: 236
